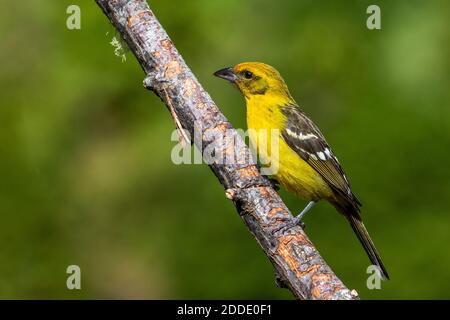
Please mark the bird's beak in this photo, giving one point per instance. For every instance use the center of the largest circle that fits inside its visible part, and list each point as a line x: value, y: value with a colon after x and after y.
x: 227, y: 74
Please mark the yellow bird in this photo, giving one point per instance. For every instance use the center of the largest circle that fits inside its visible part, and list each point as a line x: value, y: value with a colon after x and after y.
x: 306, y: 163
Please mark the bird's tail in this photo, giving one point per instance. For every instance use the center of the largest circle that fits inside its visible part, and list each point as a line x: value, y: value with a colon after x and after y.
x: 350, y: 210
x: 364, y: 237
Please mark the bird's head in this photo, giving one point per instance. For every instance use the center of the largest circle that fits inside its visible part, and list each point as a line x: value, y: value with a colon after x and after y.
x: 255, y: 79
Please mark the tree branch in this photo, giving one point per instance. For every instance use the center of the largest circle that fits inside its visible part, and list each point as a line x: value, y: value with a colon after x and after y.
x: 297, y: 263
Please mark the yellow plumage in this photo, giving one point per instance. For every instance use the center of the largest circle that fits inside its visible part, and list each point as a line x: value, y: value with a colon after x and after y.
x: 303, y: 162
x: 293, y: 172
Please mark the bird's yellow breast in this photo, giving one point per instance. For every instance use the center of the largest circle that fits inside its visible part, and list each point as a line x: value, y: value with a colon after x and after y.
x: 265, y: 122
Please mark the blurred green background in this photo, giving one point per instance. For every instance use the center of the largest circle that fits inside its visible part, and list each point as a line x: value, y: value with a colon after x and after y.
x: 86, y: 173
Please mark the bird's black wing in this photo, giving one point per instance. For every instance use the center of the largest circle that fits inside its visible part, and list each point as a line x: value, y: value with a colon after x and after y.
x: 303, y: 136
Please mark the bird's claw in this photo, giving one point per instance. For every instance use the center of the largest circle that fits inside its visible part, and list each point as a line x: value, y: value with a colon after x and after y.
x: 299, y: 222
x: 291, y: 224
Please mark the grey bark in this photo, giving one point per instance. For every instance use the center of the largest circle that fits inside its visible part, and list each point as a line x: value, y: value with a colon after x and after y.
x: 298, y: 265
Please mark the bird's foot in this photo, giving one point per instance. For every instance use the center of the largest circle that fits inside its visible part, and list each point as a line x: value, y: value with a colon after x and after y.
x: 299, y: 222
x: 292, y: 223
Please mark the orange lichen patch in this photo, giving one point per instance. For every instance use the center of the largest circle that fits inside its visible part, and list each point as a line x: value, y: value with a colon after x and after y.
x: 132, y: 19
x: 320, y: 280
x: 316, y: 293
x: 166, y: 43
x: 222, y: 127
x: 248, y: 172
x: 285, y: 251
x: 190, y: 86
x: 321, y: 277
x: 264, y: 192
x: 274, y: 211
x: 172, y: 68
x: 313, y: 269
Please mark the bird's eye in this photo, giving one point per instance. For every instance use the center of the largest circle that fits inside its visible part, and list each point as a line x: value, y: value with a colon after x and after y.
x: 248, y: 75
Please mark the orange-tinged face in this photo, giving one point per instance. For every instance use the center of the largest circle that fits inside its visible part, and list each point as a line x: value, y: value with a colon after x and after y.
x: 255, y: 78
